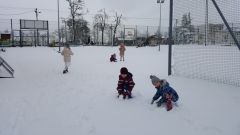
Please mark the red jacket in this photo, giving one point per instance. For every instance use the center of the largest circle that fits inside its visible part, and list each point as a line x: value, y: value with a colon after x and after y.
x: 127, y: 81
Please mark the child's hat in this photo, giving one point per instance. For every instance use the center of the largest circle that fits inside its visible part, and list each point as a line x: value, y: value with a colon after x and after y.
x: 154, y: 79
x: 124, y: 70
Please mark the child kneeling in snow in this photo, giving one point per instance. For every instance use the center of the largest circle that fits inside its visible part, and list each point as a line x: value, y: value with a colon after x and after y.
x: 167, y: 93
x: 113, y: 58
x: 125, y: 83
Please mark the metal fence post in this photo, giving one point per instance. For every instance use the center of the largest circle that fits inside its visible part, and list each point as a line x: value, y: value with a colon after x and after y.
x: 170, y: 38
x: 226, y: 23
x: 12, y: 34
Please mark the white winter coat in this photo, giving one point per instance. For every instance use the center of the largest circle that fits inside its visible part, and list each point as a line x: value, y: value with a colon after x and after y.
x: 67, y: 52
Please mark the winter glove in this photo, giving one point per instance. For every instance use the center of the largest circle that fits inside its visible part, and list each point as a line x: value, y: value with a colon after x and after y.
x: 152, y: 102
x: 159, y: 103
x: 168, y: 96
x: 120, y: 92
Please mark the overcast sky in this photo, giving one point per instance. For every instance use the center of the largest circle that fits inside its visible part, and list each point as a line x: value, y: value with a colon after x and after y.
x: 135, y: 12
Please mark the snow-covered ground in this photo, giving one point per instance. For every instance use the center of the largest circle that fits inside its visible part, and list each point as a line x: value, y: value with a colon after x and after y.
x: 40, y: 100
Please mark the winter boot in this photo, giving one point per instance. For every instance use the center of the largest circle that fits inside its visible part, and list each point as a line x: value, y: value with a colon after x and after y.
x: 169, y: 105
x: 124, y: 96
x: 159, y: 103
x: 64, y: 71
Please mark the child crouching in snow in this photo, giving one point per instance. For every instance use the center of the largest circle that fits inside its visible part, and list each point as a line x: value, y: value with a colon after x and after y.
x: 113, y: 58
x: 125, y: 83
x: 167, y: 93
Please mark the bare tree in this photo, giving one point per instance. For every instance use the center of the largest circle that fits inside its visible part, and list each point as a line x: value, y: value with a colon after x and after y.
x: 117, y: 20
x: 95, y: 32
x: 100, y: 20
x: 82, y: 32
x: 76, y: 7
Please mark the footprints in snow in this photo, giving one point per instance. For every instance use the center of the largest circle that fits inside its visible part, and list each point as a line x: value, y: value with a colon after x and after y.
x: 86, y: 125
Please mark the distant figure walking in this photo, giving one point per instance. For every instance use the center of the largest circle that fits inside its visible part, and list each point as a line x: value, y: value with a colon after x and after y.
x: 67, y: 52
x: 122, y: 49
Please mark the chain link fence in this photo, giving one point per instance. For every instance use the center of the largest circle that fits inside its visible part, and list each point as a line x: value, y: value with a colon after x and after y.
x: 204, y: 47
x: 136, y: 35
x: 198, y: 22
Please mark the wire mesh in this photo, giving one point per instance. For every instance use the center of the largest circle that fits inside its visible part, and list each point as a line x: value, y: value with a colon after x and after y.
x: 198, y: 22
x: 203, y: 46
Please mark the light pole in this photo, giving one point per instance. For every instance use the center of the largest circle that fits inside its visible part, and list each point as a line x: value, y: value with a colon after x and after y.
x: 37, y: 12
x: 65, y: 27
x: 159, y: 34
x: 206, y: 24
x: 59, y: 49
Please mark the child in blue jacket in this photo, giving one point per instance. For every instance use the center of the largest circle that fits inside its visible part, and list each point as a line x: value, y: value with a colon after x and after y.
x: 167, y: 93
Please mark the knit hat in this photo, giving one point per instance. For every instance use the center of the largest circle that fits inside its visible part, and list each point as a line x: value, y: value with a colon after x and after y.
x: 124, y: 70
x: 154, y: 79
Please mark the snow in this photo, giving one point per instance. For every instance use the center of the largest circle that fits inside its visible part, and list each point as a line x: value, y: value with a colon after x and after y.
x: 40, y: 100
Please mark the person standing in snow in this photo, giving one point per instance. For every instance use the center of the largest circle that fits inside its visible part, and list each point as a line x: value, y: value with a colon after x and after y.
x: 67, y: 52
x: 167, y: 93
x: 122, y: 49
x: 125, y: 83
